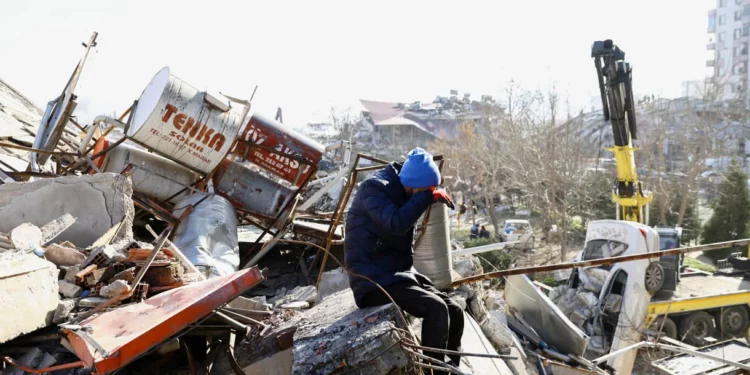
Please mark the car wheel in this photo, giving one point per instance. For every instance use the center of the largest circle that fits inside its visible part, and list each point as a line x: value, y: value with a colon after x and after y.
x: 733, y: 321
x: 667, y: 325
x: 654, y: 277
x: 696, y: 327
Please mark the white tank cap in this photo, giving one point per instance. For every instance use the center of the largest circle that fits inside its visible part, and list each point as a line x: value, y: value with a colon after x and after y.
x: 149, y: 99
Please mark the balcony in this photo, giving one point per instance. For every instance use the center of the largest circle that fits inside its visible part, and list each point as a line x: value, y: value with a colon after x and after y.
x: 710, y: 63
x: 711, y: 46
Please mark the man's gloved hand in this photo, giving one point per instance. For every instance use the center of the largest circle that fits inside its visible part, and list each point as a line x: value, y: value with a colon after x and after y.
x: 443, y: 197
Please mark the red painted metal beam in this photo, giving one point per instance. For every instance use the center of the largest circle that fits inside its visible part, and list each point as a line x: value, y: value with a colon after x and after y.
x: 129, y: 332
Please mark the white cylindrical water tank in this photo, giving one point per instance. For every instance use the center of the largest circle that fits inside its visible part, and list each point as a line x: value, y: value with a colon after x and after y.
x: 432, y: 255
x: 183, y: 124
x: 153, y: 175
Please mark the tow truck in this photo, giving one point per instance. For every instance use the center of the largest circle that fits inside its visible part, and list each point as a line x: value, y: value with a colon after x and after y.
x: 654, y: 296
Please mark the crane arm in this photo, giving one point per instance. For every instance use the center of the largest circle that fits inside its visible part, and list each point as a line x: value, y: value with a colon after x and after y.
x: 616, y: 90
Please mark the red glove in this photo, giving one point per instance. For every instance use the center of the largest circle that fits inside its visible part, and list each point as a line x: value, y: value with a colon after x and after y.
x: 443, y: 197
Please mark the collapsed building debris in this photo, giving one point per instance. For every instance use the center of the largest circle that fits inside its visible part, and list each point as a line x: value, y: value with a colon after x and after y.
x: 80, y: 258
x: 98, y: 203
x: 29, y: 290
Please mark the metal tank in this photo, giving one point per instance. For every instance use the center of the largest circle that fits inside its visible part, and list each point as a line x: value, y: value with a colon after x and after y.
x: 185, y: 125
x: 432, y: 254
x: 249, y: 190
x: 269, y: 133
x: 153, y: 175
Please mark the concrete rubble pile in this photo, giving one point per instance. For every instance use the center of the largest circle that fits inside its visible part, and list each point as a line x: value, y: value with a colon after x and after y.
x: 120, y: 247
x: 581, y: 304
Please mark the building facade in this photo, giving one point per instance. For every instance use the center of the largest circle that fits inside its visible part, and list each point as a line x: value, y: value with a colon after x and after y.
x: 728, y: 37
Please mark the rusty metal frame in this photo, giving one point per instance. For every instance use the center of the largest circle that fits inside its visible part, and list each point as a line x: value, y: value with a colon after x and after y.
x: 291, y: 200
x: 32, y: 370
x: 338, y: 213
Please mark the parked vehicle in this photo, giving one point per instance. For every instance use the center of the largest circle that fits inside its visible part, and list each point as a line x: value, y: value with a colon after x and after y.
x: 518, y: 230
x: 670, y: 238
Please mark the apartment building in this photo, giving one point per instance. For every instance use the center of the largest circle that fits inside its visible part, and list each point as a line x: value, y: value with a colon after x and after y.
x: 729, y: 33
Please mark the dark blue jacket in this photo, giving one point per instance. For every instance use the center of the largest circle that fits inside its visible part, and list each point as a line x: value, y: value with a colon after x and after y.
x: 380, y: 232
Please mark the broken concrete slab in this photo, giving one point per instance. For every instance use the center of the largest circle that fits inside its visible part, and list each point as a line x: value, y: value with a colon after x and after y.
x: 277, y: 364
x: 26, y: 236
x: 244, y: 303
x: 296, y: 305
x: 70, y: 273
x: 299, y: 294
x: 331, y: 282
x: 474, y: 341
x: 337, y: 335
x: 496, y: 329
x: 64, y: 308
x: 29, y: 295
x: 51, y: 230
x: 114, y: 289
x: 97, y: 201
x: 63, y: 256
x: 69, y: 290
x: 467, y: 266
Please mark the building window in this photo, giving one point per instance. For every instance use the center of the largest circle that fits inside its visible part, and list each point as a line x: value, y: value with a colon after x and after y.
x: 740, y: 50
x: 738, y: 15
x: 746, y: 30
x: 722, y: 19
x: 746, y: 10
x: 738, y: 2
x: 722, y: 3
x: 721, y: 37
x: 737, y: 33
x: 740, y: 68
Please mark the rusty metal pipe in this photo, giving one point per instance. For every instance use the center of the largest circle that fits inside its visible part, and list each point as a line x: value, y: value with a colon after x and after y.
x: 600, y: 262
x: 42, y: 370
x: 370, y: 168
x: 233, y: 323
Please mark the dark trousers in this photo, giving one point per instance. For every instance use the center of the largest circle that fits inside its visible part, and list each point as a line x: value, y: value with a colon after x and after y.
x: 443, y: 323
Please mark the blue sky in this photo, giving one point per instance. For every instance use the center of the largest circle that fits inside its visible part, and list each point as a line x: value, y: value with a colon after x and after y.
x: 307, y: 56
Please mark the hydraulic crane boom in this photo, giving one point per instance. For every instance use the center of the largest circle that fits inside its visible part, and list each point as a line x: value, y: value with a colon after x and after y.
x: 616, y: 89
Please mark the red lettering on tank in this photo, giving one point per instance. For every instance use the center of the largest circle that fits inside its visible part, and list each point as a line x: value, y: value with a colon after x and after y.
x: 219, y: 140
x: 179, y: 120
x: 205, y: 137
x: 170, y: 111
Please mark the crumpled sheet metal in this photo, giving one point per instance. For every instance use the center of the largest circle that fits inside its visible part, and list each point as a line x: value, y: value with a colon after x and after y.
x: 208, y: 235
x: 544, y: 317
x: 432, y: 255
x: 130, y: 331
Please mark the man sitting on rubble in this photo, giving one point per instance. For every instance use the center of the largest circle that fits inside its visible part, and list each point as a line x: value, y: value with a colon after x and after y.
x: 380, y: 242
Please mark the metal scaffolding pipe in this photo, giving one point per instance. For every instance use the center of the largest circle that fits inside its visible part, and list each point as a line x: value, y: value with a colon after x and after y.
x: 600, y: 262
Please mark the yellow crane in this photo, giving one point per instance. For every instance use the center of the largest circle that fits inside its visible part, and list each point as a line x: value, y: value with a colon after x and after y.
x: 616, y: 90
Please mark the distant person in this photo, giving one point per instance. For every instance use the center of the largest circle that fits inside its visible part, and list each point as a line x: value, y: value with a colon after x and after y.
x: 461, y: 212
x: 484, y: 233
x: 474, y: 232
